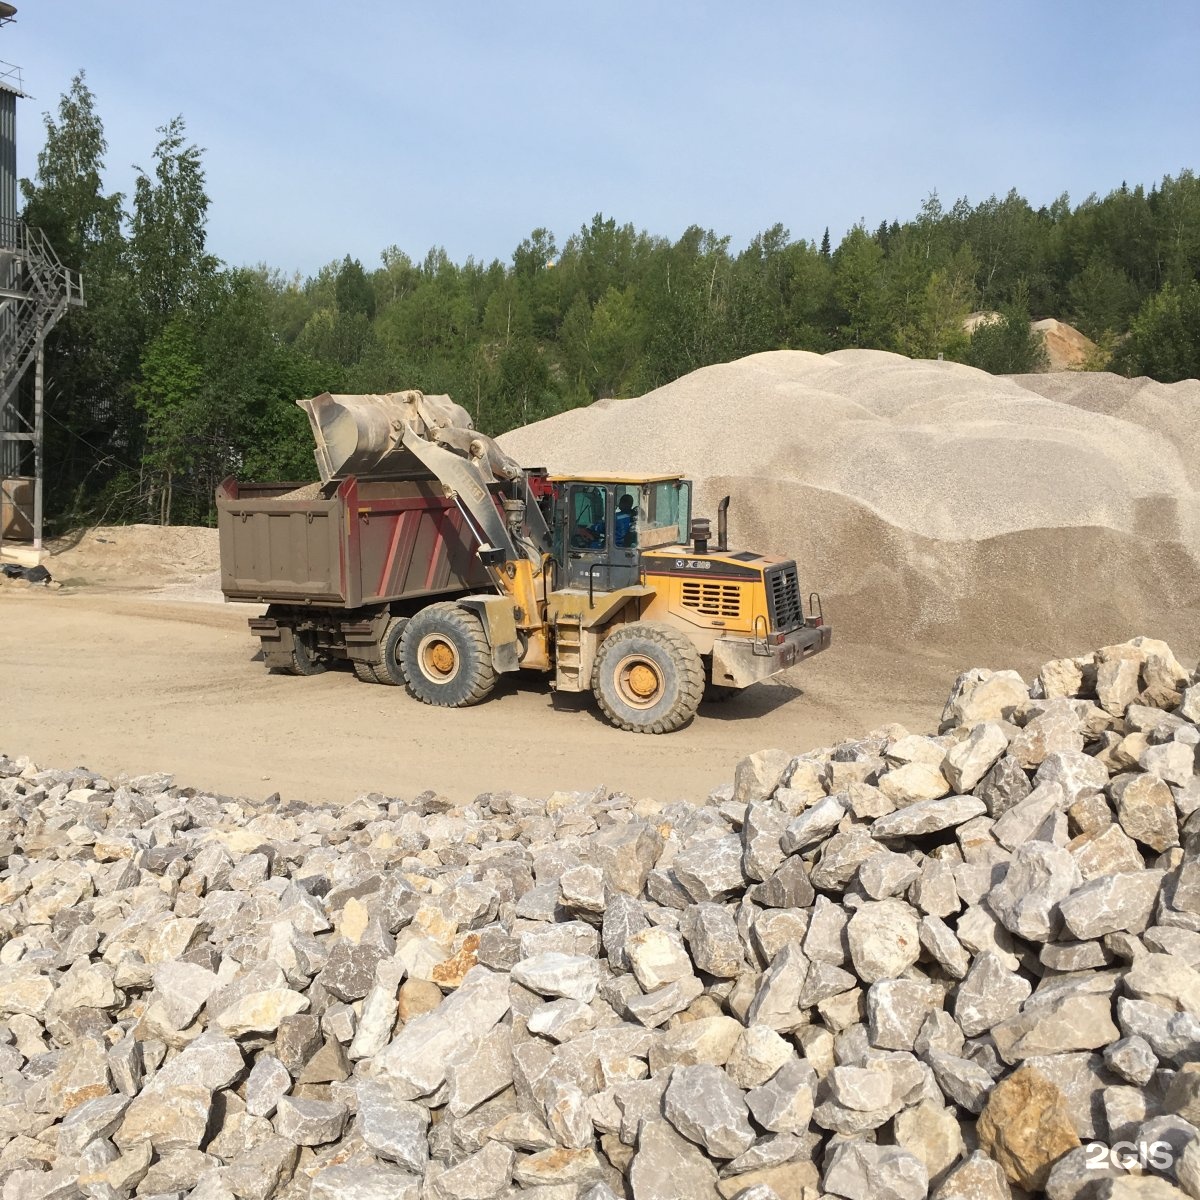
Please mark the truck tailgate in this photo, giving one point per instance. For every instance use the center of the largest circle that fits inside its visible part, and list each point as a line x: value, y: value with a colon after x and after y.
x: 275, y: 550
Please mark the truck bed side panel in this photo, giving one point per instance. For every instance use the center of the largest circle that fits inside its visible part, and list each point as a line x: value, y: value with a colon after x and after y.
x: 414, y: 548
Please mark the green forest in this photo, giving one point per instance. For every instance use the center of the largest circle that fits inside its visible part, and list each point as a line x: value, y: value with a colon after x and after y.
x: 182, y: 370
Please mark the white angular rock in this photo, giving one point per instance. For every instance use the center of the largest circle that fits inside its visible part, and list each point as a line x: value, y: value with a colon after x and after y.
x: 1073, y: 1021
x: 1040, y: 876
x: 657, y: 957
x: 417, y: 1057
x: 669, y: 1165
x: 926, y: 817
x: 912, y: 783
x: 968, y: 761
x: 897, y: 1009
x: 710, y: 868
x: 1111, y: 903
x: 776, y: 1002
x: 988, y: 995
x: 784, y: 1104
x: 981, y: 695
x: 392, y: 1127
x: 713, y: 940
x: 884, y: 940
x: 813, y: 825
x: 261, y: 1012
x: 757, y: 1055
x: 705, y: 1106
x: 310, y: 1122
x: 862, y: 1171
x: 267, y: 1083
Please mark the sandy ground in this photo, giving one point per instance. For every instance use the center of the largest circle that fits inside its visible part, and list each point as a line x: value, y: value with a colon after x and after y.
x: 137, y: 682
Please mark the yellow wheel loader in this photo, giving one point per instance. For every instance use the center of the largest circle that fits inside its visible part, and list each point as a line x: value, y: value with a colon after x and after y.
x: 428, y: 557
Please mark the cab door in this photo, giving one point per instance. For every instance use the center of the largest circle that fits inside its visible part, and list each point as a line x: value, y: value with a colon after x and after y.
x: 627, y: 508
x: 587, y: 536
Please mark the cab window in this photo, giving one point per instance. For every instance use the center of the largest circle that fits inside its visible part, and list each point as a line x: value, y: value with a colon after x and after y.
x: 670, y: 507
x: 588, y: 517
x: 626, y: 514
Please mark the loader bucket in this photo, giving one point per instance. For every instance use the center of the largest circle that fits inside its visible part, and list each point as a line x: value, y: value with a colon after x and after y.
x: 364, y: 435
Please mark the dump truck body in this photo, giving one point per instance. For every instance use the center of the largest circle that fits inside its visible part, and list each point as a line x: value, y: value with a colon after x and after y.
x: 366, y: 543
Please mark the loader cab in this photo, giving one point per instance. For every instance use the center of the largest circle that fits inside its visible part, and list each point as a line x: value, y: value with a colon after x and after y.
x: 602, y: 523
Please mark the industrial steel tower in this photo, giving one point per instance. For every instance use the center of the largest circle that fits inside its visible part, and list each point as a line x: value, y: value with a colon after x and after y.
x: 36, y: 290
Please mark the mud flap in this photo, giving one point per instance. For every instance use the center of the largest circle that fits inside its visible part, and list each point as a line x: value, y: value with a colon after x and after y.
x: 276, y: 642
x: 500, y: 625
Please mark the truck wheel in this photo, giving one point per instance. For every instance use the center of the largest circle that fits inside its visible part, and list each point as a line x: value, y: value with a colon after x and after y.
x: 364, y: 672
x: 648, y: 678
x: 390, y: 669
x: 305, y: 659
x: 446, y: 658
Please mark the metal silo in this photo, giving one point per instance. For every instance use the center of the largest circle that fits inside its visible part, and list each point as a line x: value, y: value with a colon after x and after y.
x: 36, y: 290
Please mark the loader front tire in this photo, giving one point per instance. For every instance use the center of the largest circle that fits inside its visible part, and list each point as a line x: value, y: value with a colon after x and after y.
x: 648, y: 678
x: 445, y: 656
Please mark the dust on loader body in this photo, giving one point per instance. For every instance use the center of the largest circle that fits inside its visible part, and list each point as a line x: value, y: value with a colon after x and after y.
x: 428, y: 557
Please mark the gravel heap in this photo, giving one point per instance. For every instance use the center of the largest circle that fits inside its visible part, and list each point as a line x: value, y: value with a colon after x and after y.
x: 906, y: 966
x: 930, y: 497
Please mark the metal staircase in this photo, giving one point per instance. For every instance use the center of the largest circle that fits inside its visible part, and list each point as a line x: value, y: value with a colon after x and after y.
x: 36, y: 291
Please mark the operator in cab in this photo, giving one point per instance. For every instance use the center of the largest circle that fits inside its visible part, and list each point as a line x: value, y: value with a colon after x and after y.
x: 624, y: 518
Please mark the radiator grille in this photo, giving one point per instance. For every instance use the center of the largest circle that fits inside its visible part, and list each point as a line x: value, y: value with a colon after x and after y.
x: 783, y: 598
x: 713, y: 599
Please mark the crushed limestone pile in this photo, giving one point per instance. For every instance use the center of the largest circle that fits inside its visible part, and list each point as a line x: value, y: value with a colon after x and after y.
x: 964, y: 965
x: 929, y: 500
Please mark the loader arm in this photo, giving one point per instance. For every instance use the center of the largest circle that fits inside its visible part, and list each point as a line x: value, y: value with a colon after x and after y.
x: 465, y: 483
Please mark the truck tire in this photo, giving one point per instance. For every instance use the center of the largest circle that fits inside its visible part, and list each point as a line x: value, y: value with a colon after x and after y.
x: 364, y: 672
x: 445, y: 656
x: 305, y: 659
x: 648, y: 678
x: 390, y: 669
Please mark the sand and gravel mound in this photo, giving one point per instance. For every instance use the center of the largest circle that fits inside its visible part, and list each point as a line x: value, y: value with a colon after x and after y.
x: 1066, y: 348
x: 137, y: 557
x: 931, y: 501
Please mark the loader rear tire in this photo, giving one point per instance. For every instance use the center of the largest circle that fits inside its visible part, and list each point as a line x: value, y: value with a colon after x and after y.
x: 648, y: 678
x: 446, y: 658
x: 305, y: 659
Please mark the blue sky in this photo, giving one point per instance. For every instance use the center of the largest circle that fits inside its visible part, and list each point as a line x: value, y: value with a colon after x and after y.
x: 333, y: 129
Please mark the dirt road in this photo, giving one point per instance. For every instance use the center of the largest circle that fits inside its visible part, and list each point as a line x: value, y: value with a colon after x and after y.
x: 135, y: 682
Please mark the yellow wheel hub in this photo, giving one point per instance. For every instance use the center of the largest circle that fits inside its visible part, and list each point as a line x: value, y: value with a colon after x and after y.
x: 440, y: 657
x: 643, y: 681
x: 639, y: 681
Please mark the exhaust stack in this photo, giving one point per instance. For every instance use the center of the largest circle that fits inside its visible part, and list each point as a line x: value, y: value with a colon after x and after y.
x: 723, y: 526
